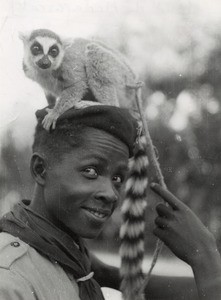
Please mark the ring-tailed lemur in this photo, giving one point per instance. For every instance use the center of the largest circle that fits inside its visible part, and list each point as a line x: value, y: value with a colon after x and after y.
x: 68, y: 68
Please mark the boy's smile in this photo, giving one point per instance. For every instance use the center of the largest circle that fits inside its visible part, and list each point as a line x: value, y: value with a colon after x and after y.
x: 83, y: 189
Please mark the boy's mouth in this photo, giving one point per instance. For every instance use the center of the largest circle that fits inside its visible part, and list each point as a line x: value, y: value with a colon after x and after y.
x: 98, y: 212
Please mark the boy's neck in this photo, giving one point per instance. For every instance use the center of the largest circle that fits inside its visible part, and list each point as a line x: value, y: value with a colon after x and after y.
x: 38, y: 203
x: 39, y: 206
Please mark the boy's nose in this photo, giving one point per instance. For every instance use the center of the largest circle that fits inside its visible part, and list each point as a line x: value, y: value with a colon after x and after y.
x: 107, y: 193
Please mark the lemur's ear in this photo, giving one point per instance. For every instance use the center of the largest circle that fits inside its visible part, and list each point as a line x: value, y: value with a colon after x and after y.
x: 23, y: 36
x: 67, y: 43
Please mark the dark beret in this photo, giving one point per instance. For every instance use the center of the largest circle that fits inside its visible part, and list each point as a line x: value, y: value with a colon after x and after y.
x: 114, y: 120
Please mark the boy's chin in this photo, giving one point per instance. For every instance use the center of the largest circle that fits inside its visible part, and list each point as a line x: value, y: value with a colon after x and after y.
x: 91, y: 236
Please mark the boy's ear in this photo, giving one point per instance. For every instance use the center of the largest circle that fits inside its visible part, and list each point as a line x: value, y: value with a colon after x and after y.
x: 38, y: 168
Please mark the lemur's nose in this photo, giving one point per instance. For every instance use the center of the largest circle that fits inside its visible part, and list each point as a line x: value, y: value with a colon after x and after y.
x: 44, y: 62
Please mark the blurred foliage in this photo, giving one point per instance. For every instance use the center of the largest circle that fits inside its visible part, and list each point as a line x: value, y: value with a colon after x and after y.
x: 176, y: 49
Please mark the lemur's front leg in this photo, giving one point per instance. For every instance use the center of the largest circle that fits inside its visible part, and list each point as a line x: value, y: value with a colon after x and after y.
x: 68, y: 98
x: 51, y: 99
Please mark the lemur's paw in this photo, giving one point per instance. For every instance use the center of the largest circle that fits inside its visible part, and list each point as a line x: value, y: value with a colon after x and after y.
x: 50, y: 119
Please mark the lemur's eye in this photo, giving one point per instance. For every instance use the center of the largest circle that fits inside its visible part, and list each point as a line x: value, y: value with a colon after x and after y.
x: 36, y: 49
x: 54, y: 51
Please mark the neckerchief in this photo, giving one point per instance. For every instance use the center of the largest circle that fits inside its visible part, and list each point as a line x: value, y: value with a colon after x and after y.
x: 54, y: 243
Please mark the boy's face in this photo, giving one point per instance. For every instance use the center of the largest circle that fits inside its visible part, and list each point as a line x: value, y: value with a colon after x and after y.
x: 83, y: 189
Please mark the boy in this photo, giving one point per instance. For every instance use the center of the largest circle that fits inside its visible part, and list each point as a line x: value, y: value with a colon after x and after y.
x: 79, y: 171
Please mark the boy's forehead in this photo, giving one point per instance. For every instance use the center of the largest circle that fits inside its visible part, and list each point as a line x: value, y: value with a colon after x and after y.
x: 97, y: 145
x: 95, y: 140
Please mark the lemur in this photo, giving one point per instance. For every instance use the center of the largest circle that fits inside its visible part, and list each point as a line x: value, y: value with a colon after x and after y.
x: 68, y: 69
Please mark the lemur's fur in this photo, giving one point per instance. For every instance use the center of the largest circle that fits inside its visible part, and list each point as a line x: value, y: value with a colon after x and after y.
x: 133, y: 224
x: 80, y: 65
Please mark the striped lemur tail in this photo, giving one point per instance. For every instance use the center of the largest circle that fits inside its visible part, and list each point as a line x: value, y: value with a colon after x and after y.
x: 133, y: 212
x: 133, y: 224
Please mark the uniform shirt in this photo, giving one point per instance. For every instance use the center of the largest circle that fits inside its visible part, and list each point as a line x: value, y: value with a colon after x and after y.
x: 27, y: 275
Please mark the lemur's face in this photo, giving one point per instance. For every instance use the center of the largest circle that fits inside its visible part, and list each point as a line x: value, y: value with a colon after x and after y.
x: 45, y: 53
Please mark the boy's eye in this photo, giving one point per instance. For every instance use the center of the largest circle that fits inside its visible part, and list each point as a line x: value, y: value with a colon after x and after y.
x: 117, y: 179
x: 91, y: 172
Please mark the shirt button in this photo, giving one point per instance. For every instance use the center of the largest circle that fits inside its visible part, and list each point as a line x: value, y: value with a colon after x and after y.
x: 15, y: 244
